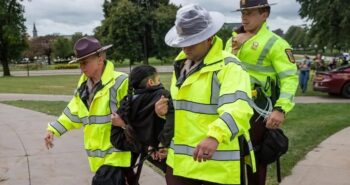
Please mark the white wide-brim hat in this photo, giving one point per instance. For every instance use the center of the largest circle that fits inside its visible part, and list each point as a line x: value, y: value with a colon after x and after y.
x: 193, y: 25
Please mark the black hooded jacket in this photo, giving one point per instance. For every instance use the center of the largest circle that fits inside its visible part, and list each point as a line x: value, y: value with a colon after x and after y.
x: 149, y: 129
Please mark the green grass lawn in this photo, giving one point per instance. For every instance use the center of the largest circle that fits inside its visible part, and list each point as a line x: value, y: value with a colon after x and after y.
x: 37, y: 66
x: 60, y: 84
x: 66, y: 84
x: 306, y: 126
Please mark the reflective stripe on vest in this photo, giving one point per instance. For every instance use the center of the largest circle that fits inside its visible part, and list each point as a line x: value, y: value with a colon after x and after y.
x: 262, y: 69
x: 266, y: 49
x: 113, y: 93
x: 231, y: 124
x: 287, y: 73
x: 287, y: 96
x: 101, y: 153
x: 59, y: 127
x: 73, y: 118
x: 215, y: 89
x: 250, y: 145
x: 196, y: 107
x: 96, y: 119
x: 227, y: 155
x: 230, y: 98
x: 234, y: 60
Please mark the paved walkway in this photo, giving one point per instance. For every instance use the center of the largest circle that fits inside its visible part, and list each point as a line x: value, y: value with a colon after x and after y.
x: 25, y: 161
x: 327, y: 164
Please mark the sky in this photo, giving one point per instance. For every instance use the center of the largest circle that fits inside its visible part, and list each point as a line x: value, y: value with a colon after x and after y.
x: 65, y: 17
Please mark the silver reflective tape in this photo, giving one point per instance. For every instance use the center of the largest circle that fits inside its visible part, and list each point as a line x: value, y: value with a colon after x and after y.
x: 73, y: 118
x: 99, y: 119
x: 101, y: 153
x: 230, y: 122
x: 195, y: 107
x: 266, y: 50
x: 96, y: 119
x: 250, y: 145
x: 59, y: 127
x: 287, y: 73
x: 228, y: 155
x: 215, y: 89
x: 258, y: 68
x: 231, y: 98
x: 287, y: 96
x: 234, y: 60
x: 113, y: 93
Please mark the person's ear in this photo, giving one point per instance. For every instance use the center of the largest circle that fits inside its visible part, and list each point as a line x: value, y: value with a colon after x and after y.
x: 150, y: 83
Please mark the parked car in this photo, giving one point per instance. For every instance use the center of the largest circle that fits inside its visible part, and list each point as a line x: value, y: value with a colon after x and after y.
x: 335, y: 82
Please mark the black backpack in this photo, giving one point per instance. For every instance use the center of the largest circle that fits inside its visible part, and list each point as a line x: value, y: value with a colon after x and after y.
x: 273, y: 146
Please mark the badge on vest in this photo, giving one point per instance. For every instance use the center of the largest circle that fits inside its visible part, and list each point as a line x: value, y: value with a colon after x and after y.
x: 290, y: 55
x: 255, y: 45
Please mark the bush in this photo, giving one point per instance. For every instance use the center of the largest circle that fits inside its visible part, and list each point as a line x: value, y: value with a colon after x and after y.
x: 66, y: 66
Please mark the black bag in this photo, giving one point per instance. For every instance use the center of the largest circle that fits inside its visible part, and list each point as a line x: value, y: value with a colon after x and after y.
x: 273, y: 146
x: 109, y: 175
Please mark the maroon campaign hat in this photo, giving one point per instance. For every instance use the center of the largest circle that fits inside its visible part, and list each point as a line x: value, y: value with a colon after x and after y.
x: 87, y: 46
x: 252, y: 4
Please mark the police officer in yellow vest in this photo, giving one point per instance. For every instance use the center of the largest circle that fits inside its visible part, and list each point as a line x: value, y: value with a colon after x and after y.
x: 271, y: 65
x: 211, y: 92
x: 98, y: 94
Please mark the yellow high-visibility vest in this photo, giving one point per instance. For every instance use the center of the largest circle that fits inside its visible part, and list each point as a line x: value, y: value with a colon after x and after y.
x: 269, y: 59
x: 97, y: 119
x: 213, y: 101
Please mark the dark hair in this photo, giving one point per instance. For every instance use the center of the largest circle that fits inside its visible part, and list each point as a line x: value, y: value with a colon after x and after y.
x: 137, y: 80
x: 265, y: 9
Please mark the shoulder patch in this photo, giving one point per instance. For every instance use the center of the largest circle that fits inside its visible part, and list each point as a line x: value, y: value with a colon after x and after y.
x: 290, y: 55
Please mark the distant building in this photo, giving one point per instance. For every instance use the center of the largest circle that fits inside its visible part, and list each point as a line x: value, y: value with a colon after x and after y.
x: 232, y: 25
x: 35, y: 32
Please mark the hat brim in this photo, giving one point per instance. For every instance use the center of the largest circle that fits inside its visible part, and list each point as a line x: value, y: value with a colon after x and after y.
x: 174, y: 40
x: 104, y: 48
x: 255, y: 7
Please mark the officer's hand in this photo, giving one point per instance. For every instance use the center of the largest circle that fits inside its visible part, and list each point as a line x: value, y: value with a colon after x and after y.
x: 117, y: 120
x: 161, y: 106
x: 49, y: 139
x: 275, y: 120
x: 205, y: 149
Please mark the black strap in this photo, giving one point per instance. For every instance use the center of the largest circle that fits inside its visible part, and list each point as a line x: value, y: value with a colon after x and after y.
x: 241, y: 141
x: 278, y: 170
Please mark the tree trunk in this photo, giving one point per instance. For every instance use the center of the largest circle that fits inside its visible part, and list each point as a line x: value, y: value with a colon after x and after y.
x: 145, y: 50
x: 4, y: 62
x: 49, y: 59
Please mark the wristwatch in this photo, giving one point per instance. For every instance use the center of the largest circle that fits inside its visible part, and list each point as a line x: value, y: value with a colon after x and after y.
x: 279, y: 109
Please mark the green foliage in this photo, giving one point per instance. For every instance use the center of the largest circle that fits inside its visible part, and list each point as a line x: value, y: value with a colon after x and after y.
x: 12, y: 32
x: 75, y: 37
x: 330, y: 21
x: 137, y: 29
x: 63, y: 47
x: 225, y: 34
x: 297, y: 36
x: 66, y: 66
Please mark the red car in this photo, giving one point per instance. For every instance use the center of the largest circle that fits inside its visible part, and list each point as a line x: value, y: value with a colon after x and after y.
x: 335, y: 82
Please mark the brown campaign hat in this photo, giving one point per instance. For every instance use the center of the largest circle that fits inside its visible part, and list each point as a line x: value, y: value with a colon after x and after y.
x: 252, y: 4
x: 87, y: 46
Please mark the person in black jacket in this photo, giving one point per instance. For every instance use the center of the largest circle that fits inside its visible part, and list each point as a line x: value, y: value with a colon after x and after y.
x: 136, y: 126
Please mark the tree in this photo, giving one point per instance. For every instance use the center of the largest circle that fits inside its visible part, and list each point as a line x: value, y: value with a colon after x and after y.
x: 330, y: 21
x: 136, y: 28
x: 225, y: 34
x: 297, y: 36
x: 76, y: 36
x: 63, y: 48
x: 12, y: 32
